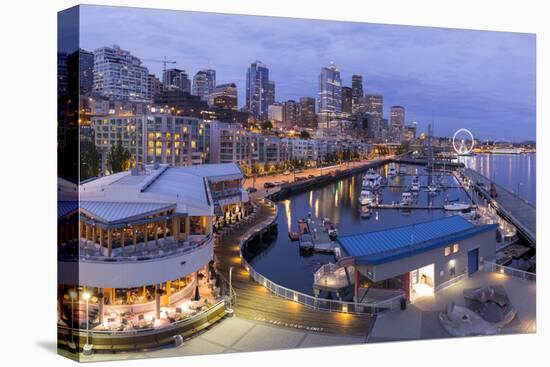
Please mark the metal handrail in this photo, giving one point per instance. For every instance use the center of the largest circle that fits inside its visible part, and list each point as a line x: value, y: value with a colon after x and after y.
x: 489, y: 266
x: 172, y: 325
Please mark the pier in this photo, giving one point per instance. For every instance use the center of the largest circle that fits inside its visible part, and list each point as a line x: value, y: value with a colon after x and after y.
x: 508, y: 205
x: 255, y: 302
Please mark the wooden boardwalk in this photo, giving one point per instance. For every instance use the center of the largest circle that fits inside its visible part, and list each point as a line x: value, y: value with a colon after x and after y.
x: 257, y: 303
x: 517, y: 211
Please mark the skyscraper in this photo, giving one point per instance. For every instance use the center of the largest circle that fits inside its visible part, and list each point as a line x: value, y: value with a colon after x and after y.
x: 86, y: 71
x: 176, y: 79
x: 119, y: 75
x: 374, y: 105
x: 257, y: 88
x: 204, y: 83
x: 397, y: 121
x: 330, y: 95
x: 357, y: 91
x: 307, y: 118
x: 347, y: 99
x: 271, y: 93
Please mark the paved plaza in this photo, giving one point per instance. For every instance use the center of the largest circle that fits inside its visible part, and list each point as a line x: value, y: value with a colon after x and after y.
x: 238, y: 335
x: 420, y: 320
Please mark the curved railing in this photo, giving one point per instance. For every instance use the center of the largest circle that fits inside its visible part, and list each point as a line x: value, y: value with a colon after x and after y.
x: 320, y: 304
x: 506, y: 270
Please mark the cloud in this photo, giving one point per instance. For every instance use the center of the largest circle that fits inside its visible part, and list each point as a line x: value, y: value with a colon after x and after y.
x: 477, y: 79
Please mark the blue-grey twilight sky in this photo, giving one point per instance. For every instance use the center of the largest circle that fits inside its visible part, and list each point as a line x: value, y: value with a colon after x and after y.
x: 483, y: 81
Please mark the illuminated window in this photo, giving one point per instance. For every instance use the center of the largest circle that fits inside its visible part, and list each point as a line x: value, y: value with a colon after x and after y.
x: 447, y: 250
x: 456, y: 248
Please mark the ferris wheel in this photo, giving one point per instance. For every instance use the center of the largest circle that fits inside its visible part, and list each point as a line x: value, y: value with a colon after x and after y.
x: 463, y: 142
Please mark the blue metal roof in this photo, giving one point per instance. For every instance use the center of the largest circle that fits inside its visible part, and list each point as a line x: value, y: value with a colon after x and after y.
x: 112, y: 212
x: 65, y: 208
x: 391, y: 244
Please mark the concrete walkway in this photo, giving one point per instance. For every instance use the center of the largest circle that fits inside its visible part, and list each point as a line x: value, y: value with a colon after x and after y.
x: 238, y: 335
x: 420, y: 320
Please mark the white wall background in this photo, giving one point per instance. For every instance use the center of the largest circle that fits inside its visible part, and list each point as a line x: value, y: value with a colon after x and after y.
x: 28, y: 183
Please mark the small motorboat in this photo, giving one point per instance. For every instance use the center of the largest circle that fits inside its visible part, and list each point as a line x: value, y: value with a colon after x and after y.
x: 372, y: 180
x: 332, y: 233
x: 392, y: 170
x: 306, y: 242
x: 367, y: 198
x: 432, y: 189
x: 365, y: 214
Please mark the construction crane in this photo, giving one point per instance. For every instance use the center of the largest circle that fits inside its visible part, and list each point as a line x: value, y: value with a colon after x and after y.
x: 164, y: 62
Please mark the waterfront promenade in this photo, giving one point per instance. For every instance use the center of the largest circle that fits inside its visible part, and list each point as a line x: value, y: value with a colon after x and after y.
x: 257, y: 303
x: 511, y: 207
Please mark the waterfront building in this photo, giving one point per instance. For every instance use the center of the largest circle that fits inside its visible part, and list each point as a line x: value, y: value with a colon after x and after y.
x: 330, y: 96
x: 420, y: 258
x: 117, y: 74
x: 307, y: 117
x: 154, y: 86
x: 347, y: 100
x: 224, y: 96
x: 176, y: 79
x: 153, y: 137
x: 204, y: 83
x: 409, y: 132
x: 230, y: 142
x: 141, y: 242
x: 257, y: 90
x: 357, y: 92
x: 271, y: 93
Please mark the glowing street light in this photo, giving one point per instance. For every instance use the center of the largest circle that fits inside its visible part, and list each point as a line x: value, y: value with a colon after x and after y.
x: 87, y: 347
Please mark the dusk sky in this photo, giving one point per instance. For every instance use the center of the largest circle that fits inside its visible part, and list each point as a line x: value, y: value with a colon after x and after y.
x: 483, y: 81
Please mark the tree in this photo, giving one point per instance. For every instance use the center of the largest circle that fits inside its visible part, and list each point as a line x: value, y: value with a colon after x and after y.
x: 256, y: 168
x: 267, y: 167
x: 304, y: 135
x: 118, y: 158
x: 266, y: 125
x: 89, y: 160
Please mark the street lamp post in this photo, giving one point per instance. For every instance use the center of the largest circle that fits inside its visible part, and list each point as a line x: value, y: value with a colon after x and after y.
x: 72, y: 295
x: 87, y: 350
x: 230, y: 309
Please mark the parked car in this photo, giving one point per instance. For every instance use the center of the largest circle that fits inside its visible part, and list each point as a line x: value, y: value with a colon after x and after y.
x: 311, y: 176
x: 286, y: 173
x: 299, y: 171
x: 268, y: 185
x: 251, y: 190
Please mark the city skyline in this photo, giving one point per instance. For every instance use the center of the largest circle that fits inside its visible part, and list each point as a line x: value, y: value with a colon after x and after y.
x: 459, y: 78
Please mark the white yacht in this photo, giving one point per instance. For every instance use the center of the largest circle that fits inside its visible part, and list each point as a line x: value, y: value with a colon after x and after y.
x: 456, y: 206
x: 367, y: 197
x: 407, y: 199
x: 372, y: 180
x: 507, y: 151
x: 415, y: 186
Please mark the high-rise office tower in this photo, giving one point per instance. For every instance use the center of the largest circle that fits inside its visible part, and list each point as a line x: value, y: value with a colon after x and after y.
x: 86, y: 71
x: 347, y: 99
x: 397, y: 121
x: 204, y: 83
x: 307, y: 117
x: 154, y: 86
x: 374, y: 104
x: 330, y: 95
x: 357, y: 92
x: 176, y: 79
x: 271, y: 93
x: 119, y: 75
x: 257, y: 88
x: 291, y: 112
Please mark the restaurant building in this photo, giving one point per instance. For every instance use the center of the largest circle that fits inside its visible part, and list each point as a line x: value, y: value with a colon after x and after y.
x: 135, y: 249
